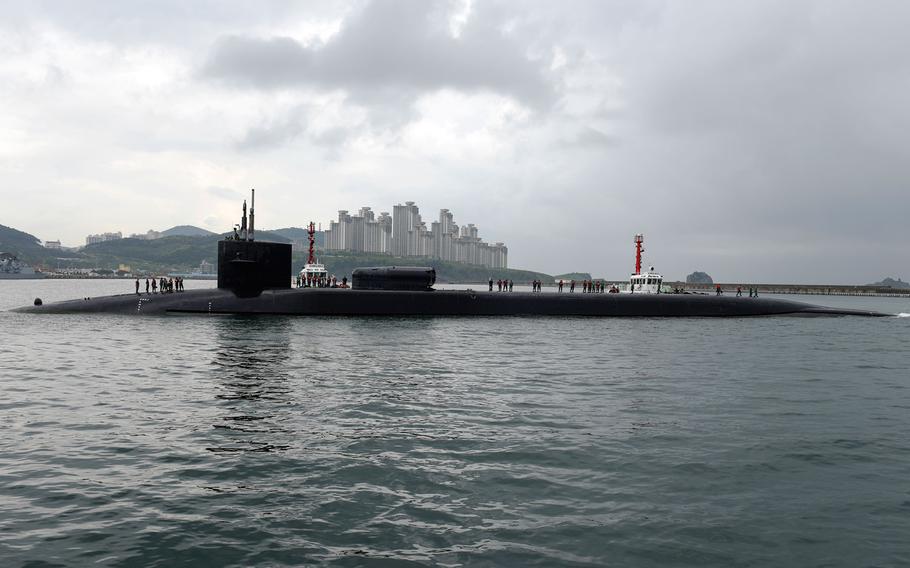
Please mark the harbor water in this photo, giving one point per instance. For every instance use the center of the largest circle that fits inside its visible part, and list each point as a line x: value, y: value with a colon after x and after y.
x: 274, y: 441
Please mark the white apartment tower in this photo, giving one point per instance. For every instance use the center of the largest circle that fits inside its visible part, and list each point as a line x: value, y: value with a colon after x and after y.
x: 404, y: 233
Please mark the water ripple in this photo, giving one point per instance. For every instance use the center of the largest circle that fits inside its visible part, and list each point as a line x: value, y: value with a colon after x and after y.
x: 454, y: 442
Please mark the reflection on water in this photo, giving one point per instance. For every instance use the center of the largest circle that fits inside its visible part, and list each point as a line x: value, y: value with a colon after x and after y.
x: 252, y: 375
x: 202, y: 441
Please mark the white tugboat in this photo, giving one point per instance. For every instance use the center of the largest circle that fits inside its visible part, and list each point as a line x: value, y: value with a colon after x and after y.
x: 643, y: 282
x: 313, y: 274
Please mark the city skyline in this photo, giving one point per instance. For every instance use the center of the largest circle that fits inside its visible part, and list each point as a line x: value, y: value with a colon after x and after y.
x: 404, y: 233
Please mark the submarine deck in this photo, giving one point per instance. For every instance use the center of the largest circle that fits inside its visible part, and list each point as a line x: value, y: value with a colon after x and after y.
x: 348, y: 302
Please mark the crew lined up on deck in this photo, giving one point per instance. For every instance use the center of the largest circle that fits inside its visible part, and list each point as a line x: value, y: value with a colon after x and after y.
x: 587, y: 286
x: 166, y: 285
x: 321, y: 282
x: 314, y: 281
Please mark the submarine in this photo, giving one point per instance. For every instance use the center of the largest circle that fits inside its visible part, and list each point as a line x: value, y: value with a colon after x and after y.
x: 254, y: 278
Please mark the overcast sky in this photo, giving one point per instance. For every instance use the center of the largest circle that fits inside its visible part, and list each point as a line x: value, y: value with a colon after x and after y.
x: 757, y: 141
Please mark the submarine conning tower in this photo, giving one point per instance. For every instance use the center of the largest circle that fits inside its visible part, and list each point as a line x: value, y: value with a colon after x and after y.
x: 247, y: 267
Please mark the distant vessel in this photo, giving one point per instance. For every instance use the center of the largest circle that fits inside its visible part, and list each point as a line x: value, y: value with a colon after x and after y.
x: 11, y: 268
x: 254, y: 278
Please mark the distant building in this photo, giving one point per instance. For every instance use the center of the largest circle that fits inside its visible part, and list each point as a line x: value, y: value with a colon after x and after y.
x: 404, y: 233
x: 103, y: 237
x: 206, y: 267
x: 53, y: 245
x: 124, y: 268
x: 150, y: 235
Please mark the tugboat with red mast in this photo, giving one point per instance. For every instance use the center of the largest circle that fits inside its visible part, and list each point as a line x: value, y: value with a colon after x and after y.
x: 643, y: 283
x: 313, y: 274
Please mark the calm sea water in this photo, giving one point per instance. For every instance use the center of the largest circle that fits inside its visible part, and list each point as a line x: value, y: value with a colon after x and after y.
x: 228, y: 441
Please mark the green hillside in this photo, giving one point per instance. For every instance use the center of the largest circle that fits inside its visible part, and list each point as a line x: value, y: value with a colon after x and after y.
x: 18, y: 242
x: 28, y: 248
x: 298, y: 234
x: 574, y: 276
x: 186, y: 231
x: 185, y: 253
x: 168, y: 254
x: 177, y: 253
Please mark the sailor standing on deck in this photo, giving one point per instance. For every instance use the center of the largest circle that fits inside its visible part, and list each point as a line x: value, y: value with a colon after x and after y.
x: 491, y: 283
x: 137, y: 285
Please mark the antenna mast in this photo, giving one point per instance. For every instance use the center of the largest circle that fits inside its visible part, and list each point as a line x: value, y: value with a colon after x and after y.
x: 243, y: 223
x: 639, y: 240
x: 252, y: 214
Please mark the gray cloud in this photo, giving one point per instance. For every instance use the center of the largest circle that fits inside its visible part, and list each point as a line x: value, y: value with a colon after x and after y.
x: 590, y: 137
x: 394, y: 47
x: 758, y: 139
x: 786, y: 112
x: 333, y: 137
x: 273, y: 132
x: 225, y: 193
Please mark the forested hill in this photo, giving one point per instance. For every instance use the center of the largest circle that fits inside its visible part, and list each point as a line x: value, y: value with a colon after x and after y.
x: 574, y: 276
x: 28, y: 247
x: 185, y: 253
x: 186, y: 231
x: 299, y: 234
x: 17, y: 242
x: 167, y: 254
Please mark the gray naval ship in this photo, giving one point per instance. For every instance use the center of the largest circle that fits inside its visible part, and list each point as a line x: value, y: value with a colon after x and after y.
x: 255, y: 278
x: 12, y: 268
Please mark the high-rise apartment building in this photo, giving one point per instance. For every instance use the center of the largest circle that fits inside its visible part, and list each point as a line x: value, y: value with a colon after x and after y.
x: 103, y: 237
x: 338, y: 235
x: 405, y: 219
x: 404, y: 233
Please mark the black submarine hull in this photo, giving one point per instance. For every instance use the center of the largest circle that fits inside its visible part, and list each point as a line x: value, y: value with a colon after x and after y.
x: 354, y: 302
